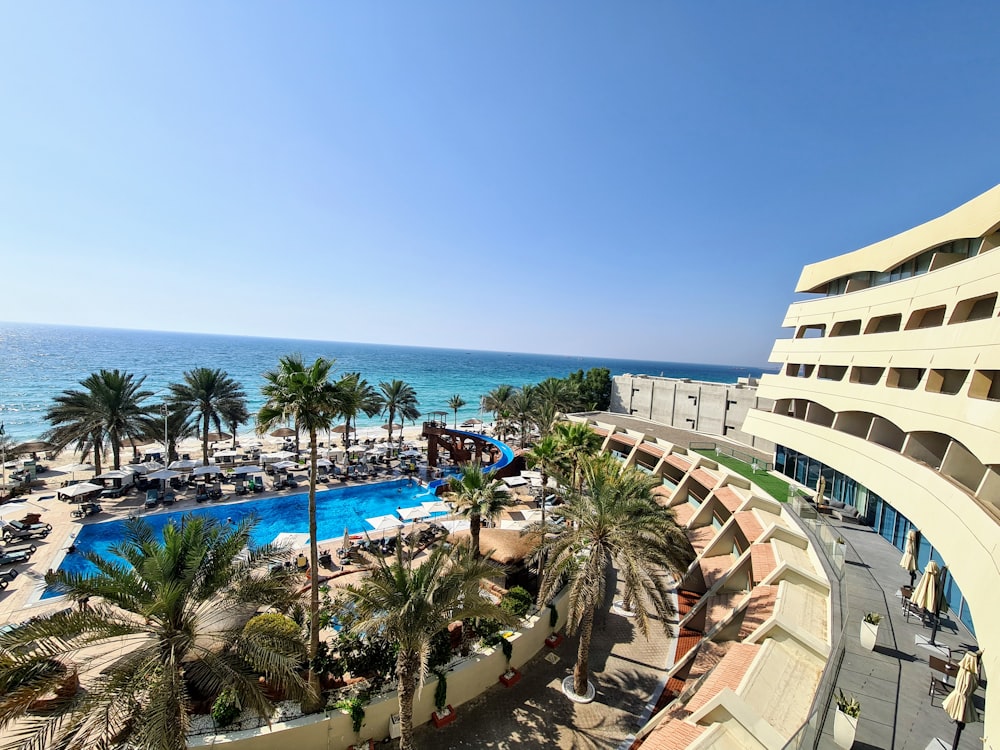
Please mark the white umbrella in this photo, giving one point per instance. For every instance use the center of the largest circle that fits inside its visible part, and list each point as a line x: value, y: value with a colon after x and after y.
x: 381, y: 523
x: 72, y: 468
x: 11, y: 508
x: 412, y: 514
x: 436, y: 506
x: 118, y: 474
x: 958, y: 704
x: 410, y: 454
x: 346, y: 544
x: 76, y: 490
x: 515, y: 481
x: 281, y: 465
x: 276, y: 456
x: 228, y: 453
x: 201, y: 471
x: 248, y: 470
x: 925, y: 594
x: 163, y: 474
x: 357, y: 449
x: 909, y: 561
x: 453, y: 526
x: 322, y: 463
x: 183, y: 465
x: 335, y: 452
x: 146, y: 467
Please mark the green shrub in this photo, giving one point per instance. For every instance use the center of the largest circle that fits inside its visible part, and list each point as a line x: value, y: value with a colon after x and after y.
x: 272, y: 625
x: 848, y: 704
x: 508, y: 649
x: 355, y: 708
x: 226, y: 709
x: 517, y: 601
x: 441, y: 691
x: 873, y: 618
x: 553, y: 616
x: 440, y: 650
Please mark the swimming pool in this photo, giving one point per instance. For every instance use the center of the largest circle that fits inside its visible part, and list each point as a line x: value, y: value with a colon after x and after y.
x: 335, y: 509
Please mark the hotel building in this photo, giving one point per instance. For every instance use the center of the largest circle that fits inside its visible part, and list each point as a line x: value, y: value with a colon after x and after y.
x: 889, y: 388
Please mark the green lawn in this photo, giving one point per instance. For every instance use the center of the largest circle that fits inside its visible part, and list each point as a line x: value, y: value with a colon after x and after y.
x: 775, y: 487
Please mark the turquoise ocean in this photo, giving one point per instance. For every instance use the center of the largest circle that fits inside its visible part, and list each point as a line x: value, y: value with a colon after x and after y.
x: 38, y: 361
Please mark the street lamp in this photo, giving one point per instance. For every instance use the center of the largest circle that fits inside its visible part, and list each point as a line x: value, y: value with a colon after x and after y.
x: 3, y: 462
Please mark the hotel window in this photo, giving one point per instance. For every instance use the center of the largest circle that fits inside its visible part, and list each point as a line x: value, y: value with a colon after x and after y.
x: 866, y: 375
x: 846, y: 328
x: 884, y: 323
x: 831, y: 372
x: 948, y: 382
x: 929, y: 317
x: 907, y: 378
x: 975, y: 308
x: 985, y: 385
x: 814, y: 331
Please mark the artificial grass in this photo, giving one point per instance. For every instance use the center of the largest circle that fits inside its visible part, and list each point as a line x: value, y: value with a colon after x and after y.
x: 773, y: 486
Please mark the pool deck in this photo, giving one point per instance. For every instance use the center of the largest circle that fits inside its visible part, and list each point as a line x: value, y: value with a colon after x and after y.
x: 20, y: 600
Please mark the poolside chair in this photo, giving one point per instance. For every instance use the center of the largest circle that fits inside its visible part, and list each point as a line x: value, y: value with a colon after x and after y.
x: 257, y: 485
x: 201, y: 494
x: 10, y: 574
x: 13, y: 532
x: 169, y: 498
x: 239, y: 488
x: 152, y: 498
x: 216, y: 492
x: 10, y: 558
x: 26, y: 547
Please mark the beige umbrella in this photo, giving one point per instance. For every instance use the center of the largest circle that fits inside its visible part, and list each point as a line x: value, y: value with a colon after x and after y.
x: 909, y: 561
x: 925, y: 594
x: 392, y: 426
x: 214, y: 437
x: 346, y: 544
x: 820, y: 490
x: 340, y: 429
x: 283, y: 432
x: 958, y: 704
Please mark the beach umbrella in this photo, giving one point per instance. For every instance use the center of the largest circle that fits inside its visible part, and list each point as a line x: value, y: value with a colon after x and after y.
x: 357, y: 449
x: 925, y: 594
x: 33, y: 446
x: 958, y: 704
x: 458, y: 525
x: 248, y: 470
x: 163, y: 474
x: 436, y: 506
x: 282, y: 465
x: 201, y: 471
x: 214, y: 437
x: 183, y: 465
x: 393, y: 426
x: 145, y: 468
x: 909, y: 561
x: 13, y: 508
x: 340, y: 429
x: 78, y: 490
x: 283, y: 432
x: 277, y: 456
x: 412, y: 514
x: 227, y: 453
x: 381, y: 523
x: 71, y: 469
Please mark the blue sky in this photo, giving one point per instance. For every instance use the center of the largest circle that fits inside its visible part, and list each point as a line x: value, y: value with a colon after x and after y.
x: 638, y: 180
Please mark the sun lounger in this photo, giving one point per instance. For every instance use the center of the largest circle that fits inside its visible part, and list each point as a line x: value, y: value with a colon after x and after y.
x: 201, y: 494
x: 9, y: 574
x: 169, y: 498
x: 10, y: 558
x: 10, y: 531
x: 152, y: 498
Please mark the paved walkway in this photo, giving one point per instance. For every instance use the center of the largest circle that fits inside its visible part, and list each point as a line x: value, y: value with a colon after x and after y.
x: 891, y: 683
x: 626, y: 669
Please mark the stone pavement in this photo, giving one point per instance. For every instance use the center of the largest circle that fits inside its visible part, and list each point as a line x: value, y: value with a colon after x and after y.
x: 626, y: 669
x: 891, y: 683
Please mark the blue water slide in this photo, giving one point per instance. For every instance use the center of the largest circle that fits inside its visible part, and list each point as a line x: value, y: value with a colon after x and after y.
x: 506, y: 456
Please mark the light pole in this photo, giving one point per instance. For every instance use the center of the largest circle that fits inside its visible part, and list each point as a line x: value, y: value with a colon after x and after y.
x: 3, y: 462
x: 166, y: 445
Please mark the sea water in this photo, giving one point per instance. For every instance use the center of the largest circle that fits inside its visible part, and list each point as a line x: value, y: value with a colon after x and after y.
x: 38, y: 362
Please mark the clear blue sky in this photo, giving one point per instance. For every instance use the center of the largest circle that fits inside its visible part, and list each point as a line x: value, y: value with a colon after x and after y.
x: 640, y: 180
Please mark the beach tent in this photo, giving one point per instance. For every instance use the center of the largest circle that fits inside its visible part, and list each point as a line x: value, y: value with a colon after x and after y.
x: 183, y: 465
x: 248, y: 470
x: 201, y: 471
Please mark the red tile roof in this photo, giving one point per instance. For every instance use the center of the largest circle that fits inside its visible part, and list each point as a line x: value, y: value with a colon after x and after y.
x: 672, y: 734
x: 686, y: 641
x: 621, y: 437
x: 681, y: 463
x: 683, y: 513
x: 713, y: 568
x: 749, y: 525
x: 729, y: 499
x: 701, y: 536
x: 728, y: 673
x: 759, y: 608
x: 706, y: 480
x: 762, y: 562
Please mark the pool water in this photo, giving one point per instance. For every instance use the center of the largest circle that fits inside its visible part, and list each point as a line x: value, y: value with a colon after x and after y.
x: 335, y: 509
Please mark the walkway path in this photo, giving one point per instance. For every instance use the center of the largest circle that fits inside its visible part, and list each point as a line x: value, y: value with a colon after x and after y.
x: 626, y: 669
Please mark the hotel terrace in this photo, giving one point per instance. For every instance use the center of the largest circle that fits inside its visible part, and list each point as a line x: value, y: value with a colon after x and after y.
x: 755, y: 609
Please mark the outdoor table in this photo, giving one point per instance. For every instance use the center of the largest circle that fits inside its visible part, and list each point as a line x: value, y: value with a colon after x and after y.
x: 943, y: 667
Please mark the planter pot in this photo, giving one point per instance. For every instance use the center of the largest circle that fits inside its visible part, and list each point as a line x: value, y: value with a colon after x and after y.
x: 844, y: 729
x: 554, y: 640
x: 444, y: 718
x: 869, y: 633
x: 510, y: 677
x: 364, y: 745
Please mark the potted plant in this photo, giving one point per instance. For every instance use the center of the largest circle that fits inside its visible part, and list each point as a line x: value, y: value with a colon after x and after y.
x: 845, y: 722
x: 443, y: 713
x: 869, y: 629
x: 510, y: 676
x: 554, y: 638
x: 355, y: 708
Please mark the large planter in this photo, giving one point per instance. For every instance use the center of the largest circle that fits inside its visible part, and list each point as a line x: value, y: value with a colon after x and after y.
x: 444, y: 718
x: 554, y: 640
x: 364, y: 745
x: 844, y: 729
x: 869, y: 634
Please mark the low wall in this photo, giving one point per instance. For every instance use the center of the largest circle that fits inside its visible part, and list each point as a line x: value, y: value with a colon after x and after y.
x: 332, y: 731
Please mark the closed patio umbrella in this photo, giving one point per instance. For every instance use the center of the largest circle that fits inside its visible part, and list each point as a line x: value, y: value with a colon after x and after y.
x: 909, y: 561
x: 958, y: 704
x: 925, y: 594
x: 346, y: 544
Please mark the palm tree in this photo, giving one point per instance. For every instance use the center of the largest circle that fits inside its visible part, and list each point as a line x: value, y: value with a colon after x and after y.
x: 180, y: 425
x: 477, y: 495
x: 409, y: 605
x: 576, y: 441
x: 398, y: 397
x: 615, y: 523
x: 156, y: 630
x: 497, y: 401
x: 357, y: 395
x: 211, y: 394
x: 523, y: 406
x: 108, y: 410
x: 553, y: 396
x: 234, y: 413
x: 306, y: 395
x: 546, y: 457
x: 455, y: 403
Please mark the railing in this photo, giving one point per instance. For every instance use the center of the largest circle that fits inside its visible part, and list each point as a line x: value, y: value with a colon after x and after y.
x: 725, y: 450
x: 826, y: 539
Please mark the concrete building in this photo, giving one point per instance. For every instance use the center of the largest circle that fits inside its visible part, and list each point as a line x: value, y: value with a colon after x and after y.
x: 699, y: 406
x: 889, y: 388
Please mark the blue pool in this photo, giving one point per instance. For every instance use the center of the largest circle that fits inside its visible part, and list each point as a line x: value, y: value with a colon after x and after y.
x: 335, y: 509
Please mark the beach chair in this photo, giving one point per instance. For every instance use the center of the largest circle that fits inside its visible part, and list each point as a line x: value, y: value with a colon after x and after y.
x: 257, y: 485
x: 9, y: 574
x: 201, y: 494
x: 11, y: 558
x: 152, y: 498
x: 239, y: 488
x: 216, y: 492
x: 169, y: 498
x: 26, y: 547
x: 10, y: 531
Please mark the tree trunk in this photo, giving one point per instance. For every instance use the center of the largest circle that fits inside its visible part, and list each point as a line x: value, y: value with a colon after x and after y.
x: 315, y: 701
x: 407, y: 666
x: 392, y: 416
x: 115, y: 451
x: 97, y: 454
x: 474, y: 523
x: 541, y: 541
x: 204, y: 440
x: 580, y: 670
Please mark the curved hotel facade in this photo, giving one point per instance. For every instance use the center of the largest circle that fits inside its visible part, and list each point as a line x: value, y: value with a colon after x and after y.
x: 889, y: 388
